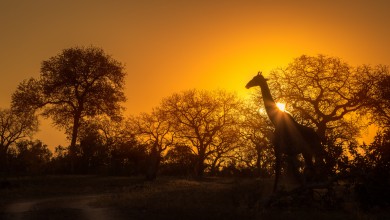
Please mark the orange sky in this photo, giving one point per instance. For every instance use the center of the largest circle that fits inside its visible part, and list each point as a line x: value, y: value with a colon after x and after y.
x: 173, y: 45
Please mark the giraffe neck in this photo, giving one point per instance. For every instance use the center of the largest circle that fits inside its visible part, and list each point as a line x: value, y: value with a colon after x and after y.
x: 270, y: 106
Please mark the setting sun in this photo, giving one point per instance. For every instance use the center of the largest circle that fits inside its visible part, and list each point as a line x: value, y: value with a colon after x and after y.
x: 281, y: 106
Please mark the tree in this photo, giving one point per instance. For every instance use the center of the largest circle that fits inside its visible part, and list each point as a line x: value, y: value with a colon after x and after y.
x: 76, y: 84
x: 32, y: 157
x: 325, y: 92
x: 93, y: 154
x: 256, y: 130
x: 370, y: 171
x: 155, y: 130
x: 14, y: 126
x: 378, y: 78
x: 199, y: 118
x: 225, y: 148
x: 179, y: 160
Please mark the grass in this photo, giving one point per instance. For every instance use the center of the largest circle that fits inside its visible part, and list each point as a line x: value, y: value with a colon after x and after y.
x: 173, y: 199
x: 179, y: 198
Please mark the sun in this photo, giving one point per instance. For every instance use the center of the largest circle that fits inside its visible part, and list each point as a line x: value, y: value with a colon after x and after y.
x: 281, y: 106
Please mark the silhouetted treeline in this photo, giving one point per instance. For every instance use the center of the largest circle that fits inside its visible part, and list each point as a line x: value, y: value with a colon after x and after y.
x: 365, y: 162
x: 195, y: 132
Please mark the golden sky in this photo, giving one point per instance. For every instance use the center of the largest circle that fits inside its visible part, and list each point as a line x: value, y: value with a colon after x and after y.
x: 173, y: 45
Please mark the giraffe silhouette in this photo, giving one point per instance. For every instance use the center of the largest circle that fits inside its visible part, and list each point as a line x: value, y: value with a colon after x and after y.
x: 290, y: 138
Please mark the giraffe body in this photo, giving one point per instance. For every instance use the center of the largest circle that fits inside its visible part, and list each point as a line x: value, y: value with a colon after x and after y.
x: 290, y: 137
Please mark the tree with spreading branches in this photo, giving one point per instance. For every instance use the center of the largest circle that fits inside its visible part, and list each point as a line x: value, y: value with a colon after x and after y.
x: 14, y: 126
x: 200, y: 120
x: 325, y: 92
x: 155, y: 130
x: 78, y: 83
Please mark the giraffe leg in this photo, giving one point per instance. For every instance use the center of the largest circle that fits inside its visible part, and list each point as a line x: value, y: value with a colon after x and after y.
x: 321, y: 168
x: 293, y: 166
x: 309, y: 170
x: 278, y: 161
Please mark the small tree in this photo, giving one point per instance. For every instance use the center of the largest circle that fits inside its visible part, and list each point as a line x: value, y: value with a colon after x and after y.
x: 14, y: 126
x: 370, y: 171
x: 76, y: 84
x: 256, y: 130
x: 154, y: 130
x: 199, y: 119
x: 225, y: 148
x: 179, y: 160
x: 93, y: 154
x: 32, y: 157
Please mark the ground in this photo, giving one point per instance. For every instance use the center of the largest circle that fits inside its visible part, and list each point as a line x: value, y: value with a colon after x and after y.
x: 94, y: 197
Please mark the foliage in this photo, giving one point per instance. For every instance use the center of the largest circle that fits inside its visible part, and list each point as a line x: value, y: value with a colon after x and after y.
x: 128, y: 158
x: 195, y: 131
x: 106, y: 147
x: 31, y: 158
x: 370, y: 171
x: 179, y: 160
x: 200, y: 120
x: 93, y: 154
x: 76, y: 84
x: 324, y: 91
x: 154, y: 130
x: 379, y: 103
x: 14, y: 126
x: 256, y: 130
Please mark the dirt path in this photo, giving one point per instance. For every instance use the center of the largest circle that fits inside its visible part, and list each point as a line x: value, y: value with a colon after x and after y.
x: 68, y: 207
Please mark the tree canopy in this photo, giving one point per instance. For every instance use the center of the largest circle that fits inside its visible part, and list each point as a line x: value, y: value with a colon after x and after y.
x: 201, y: 120
x: 323, y: 91
x: 155, y: 131
x: 14, y: 126
x: 76, y: 84
x: 379, y: 102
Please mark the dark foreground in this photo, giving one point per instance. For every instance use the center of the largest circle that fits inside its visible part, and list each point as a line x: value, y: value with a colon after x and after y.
x: 90, y: 197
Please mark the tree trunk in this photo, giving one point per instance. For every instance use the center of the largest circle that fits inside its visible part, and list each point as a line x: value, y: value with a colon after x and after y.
x: 258, y: 160
x: 199, y: 166
x: 3, y: 160
x: 321, y: 131
x: 72, y: 148
x: 154, y: 163
x: 214, y: 166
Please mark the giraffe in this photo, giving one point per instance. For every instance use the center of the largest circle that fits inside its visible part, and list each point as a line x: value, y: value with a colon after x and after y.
x: 290, y: 137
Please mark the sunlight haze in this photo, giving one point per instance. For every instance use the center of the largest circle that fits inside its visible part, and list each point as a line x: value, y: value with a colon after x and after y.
x: 175, y: 45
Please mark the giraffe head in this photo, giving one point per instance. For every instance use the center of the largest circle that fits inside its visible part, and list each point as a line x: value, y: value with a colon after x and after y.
x: 258, y: 80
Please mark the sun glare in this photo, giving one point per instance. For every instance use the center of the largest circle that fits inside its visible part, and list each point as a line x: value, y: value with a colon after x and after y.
x: 281, y: 106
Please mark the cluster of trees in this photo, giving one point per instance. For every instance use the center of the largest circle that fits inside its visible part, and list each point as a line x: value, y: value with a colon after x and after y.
x: 192, y: 132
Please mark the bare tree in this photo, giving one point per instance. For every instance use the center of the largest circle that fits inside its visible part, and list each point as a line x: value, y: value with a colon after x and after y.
x: 76, y: 84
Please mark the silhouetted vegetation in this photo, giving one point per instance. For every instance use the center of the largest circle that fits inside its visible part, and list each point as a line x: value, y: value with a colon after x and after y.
x: 325, y: 92
x: 14, y: 127
x: 198, y: 133
x: 74, y: 85
x: 370, y: 171
x: 206, y: 121
x: 30, y: 158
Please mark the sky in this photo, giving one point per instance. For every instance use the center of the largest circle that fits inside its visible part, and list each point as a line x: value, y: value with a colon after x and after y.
x: 169, y: 46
